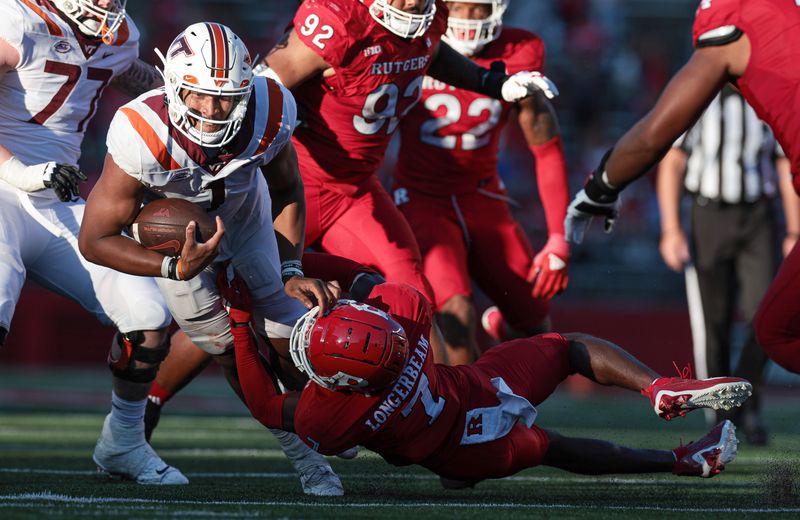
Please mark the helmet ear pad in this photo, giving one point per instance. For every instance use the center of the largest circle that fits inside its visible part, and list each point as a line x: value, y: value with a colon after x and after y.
x: 354, y: 347
x: 210, y: 59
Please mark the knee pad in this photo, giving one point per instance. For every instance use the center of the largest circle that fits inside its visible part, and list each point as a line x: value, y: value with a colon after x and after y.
x: 3, y: 332
x: 126, y: 349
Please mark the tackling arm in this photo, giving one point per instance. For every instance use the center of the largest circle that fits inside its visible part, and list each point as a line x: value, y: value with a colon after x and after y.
x: 293, y: 62
x: 288, y: 204
x: 138, y: 79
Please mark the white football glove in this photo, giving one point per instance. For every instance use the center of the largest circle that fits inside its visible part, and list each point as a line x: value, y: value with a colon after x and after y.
x: 527, y: 83
x: 581, y: 211
x: 63, y: 179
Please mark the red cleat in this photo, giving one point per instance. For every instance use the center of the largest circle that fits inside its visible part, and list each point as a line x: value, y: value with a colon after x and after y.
x: 675, y: 396
x: 708, y: 455
x: 493, y: 323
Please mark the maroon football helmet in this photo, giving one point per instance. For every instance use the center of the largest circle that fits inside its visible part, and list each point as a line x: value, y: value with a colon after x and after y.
x: 355, y: 347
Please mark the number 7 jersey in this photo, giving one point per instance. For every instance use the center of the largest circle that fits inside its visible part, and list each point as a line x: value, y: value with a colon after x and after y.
x: 348, y: 117
x: 47, y: 100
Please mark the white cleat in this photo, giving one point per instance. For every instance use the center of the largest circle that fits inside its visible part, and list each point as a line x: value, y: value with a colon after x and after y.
x: 134, y: 459
x: 321, y: 481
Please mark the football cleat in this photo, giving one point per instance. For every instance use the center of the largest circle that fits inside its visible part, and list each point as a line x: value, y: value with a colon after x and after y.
x: 132, y: 461
x: 321, y: 481
x: 708, y: 455
x: 493, y: 323
x: 675, y: 397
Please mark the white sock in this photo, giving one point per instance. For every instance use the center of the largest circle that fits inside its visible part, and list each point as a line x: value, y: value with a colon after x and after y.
x: 127, y: 413
x: 301, y: 456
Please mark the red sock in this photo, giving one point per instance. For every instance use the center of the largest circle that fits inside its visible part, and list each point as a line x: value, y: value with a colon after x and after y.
x: 159, y: 395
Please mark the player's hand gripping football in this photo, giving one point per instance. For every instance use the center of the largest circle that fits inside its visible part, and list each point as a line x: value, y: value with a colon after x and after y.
x: 313, y: 291
x: 549, y: 269
x: 195, y: 256
x: 523, y: 84
x: 596, y: 199
x: 237, y: 299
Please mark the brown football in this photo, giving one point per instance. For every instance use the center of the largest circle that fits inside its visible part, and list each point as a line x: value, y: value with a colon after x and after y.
x: 161, y: 225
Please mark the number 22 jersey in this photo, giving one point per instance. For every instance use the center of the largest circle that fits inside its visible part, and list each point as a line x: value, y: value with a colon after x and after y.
x: 449, y: 141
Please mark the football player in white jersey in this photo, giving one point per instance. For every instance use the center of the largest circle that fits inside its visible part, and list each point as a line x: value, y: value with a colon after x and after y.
x: 220, y: 137
x: 56, y: 58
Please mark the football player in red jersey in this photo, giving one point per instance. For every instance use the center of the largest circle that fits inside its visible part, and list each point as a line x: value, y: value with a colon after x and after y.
x: 755, y: 46
x: 374, y: 384
x: 447, y: 187
x: 356, y: 68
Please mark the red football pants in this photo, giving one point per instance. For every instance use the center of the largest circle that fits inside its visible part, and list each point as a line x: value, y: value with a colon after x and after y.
x: 474, y: 236
x: 777, y: 322
x: 361, y: 223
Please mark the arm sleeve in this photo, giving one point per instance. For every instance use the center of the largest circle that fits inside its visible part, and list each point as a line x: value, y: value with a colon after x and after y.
x: 260, y: 394
x: 551, y: 178
x: 716, y: 23
x: 320, y: 25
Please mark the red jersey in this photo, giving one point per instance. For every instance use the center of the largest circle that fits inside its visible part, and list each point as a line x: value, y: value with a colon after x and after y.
x: 348, y: 117
x: 441, y: 134
x: 771, y: 83
x: 429, y: 409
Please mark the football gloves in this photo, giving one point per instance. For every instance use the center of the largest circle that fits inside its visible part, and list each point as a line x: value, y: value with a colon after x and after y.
x: 549, y: 269
x: 523, y: 84
x: 63, y: 179
x: 596, y: 199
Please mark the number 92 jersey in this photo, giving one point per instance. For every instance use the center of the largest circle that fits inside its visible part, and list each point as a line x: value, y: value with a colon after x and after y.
x: 52, y: 93
x: 348, y: 117
x: 450, y: 139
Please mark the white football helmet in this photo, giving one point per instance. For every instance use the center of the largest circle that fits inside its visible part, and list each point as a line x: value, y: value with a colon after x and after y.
x: 93, y: 20
x: 469, y: 37
x: 401, y: 23
x: 207, y: 58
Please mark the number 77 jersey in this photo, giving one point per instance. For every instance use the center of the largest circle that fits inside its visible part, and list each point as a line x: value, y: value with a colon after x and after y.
x: 349, y: 116
x: 47, y: 100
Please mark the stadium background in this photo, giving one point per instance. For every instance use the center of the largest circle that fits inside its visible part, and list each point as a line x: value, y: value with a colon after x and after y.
x: 610, y: 59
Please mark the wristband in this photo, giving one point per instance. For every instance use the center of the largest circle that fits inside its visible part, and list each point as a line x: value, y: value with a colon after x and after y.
x: 165, y: 266
x: 179, y: 269
x: 22, y: 177
x: 491, y: 80
x: 290, y: 269
x: 172, y: 268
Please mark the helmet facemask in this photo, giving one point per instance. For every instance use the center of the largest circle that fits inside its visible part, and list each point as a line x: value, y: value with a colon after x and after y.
x: 93, y: 20
x: 194, y: 63
x: 469, y: 37
x: 401, y: 23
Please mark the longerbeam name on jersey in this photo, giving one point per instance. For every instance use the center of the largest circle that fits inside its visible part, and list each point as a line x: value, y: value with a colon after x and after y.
x: 402, y: 388
x: 385, y: 68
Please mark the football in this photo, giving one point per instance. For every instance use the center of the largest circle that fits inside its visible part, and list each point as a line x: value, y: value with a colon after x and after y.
x: 161, y: 225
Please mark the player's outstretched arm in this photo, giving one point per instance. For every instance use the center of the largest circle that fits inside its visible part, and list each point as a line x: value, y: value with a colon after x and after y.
x: 682, y: 102
x: 138, y: 79
x: 262, y: 397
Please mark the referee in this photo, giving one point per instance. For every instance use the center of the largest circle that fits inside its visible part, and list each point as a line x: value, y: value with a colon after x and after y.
x: 729, y: 163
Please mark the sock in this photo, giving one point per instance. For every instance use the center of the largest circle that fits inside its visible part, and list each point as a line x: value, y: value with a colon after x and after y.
x: 159, y: 395
x: 127, y: 413
x: 301, y: 456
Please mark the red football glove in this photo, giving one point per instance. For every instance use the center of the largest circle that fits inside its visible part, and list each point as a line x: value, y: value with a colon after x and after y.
x: 549, y: 268
x: 237, y: 297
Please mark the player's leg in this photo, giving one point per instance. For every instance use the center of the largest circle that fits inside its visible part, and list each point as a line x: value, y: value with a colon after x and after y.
x: 756, y: 264
x: 184, y: 362
x: 500, y: 258
x: 135, y: 306
x: 442, y: 240
x: 777, y: 322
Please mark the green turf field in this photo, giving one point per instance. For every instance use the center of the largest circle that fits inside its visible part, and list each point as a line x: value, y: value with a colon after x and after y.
x: 49, y: 422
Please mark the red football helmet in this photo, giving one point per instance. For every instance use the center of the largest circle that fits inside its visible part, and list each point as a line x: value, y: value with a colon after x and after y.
x: 355, y: 347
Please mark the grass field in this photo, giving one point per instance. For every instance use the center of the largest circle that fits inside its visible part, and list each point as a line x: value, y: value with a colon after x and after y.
x: 49, y: 422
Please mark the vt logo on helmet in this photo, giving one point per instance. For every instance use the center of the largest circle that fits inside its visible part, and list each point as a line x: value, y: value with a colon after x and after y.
x: 402, y: 23
x: 354, y: 347
x: 95, y: 18
x: 470, y: 35
x: 208, y: 67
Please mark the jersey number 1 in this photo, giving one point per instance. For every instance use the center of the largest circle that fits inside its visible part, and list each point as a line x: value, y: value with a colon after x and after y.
x: 73, y: 74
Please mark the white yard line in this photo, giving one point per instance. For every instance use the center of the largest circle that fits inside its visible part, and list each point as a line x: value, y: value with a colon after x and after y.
x: 25, y: 499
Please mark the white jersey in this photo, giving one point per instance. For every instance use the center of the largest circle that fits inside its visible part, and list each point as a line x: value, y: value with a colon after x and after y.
x: 143, y: 142
x: 47, y: 100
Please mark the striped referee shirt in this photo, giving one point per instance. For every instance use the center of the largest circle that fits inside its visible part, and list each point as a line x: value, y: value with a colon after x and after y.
x: 730, y: 152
